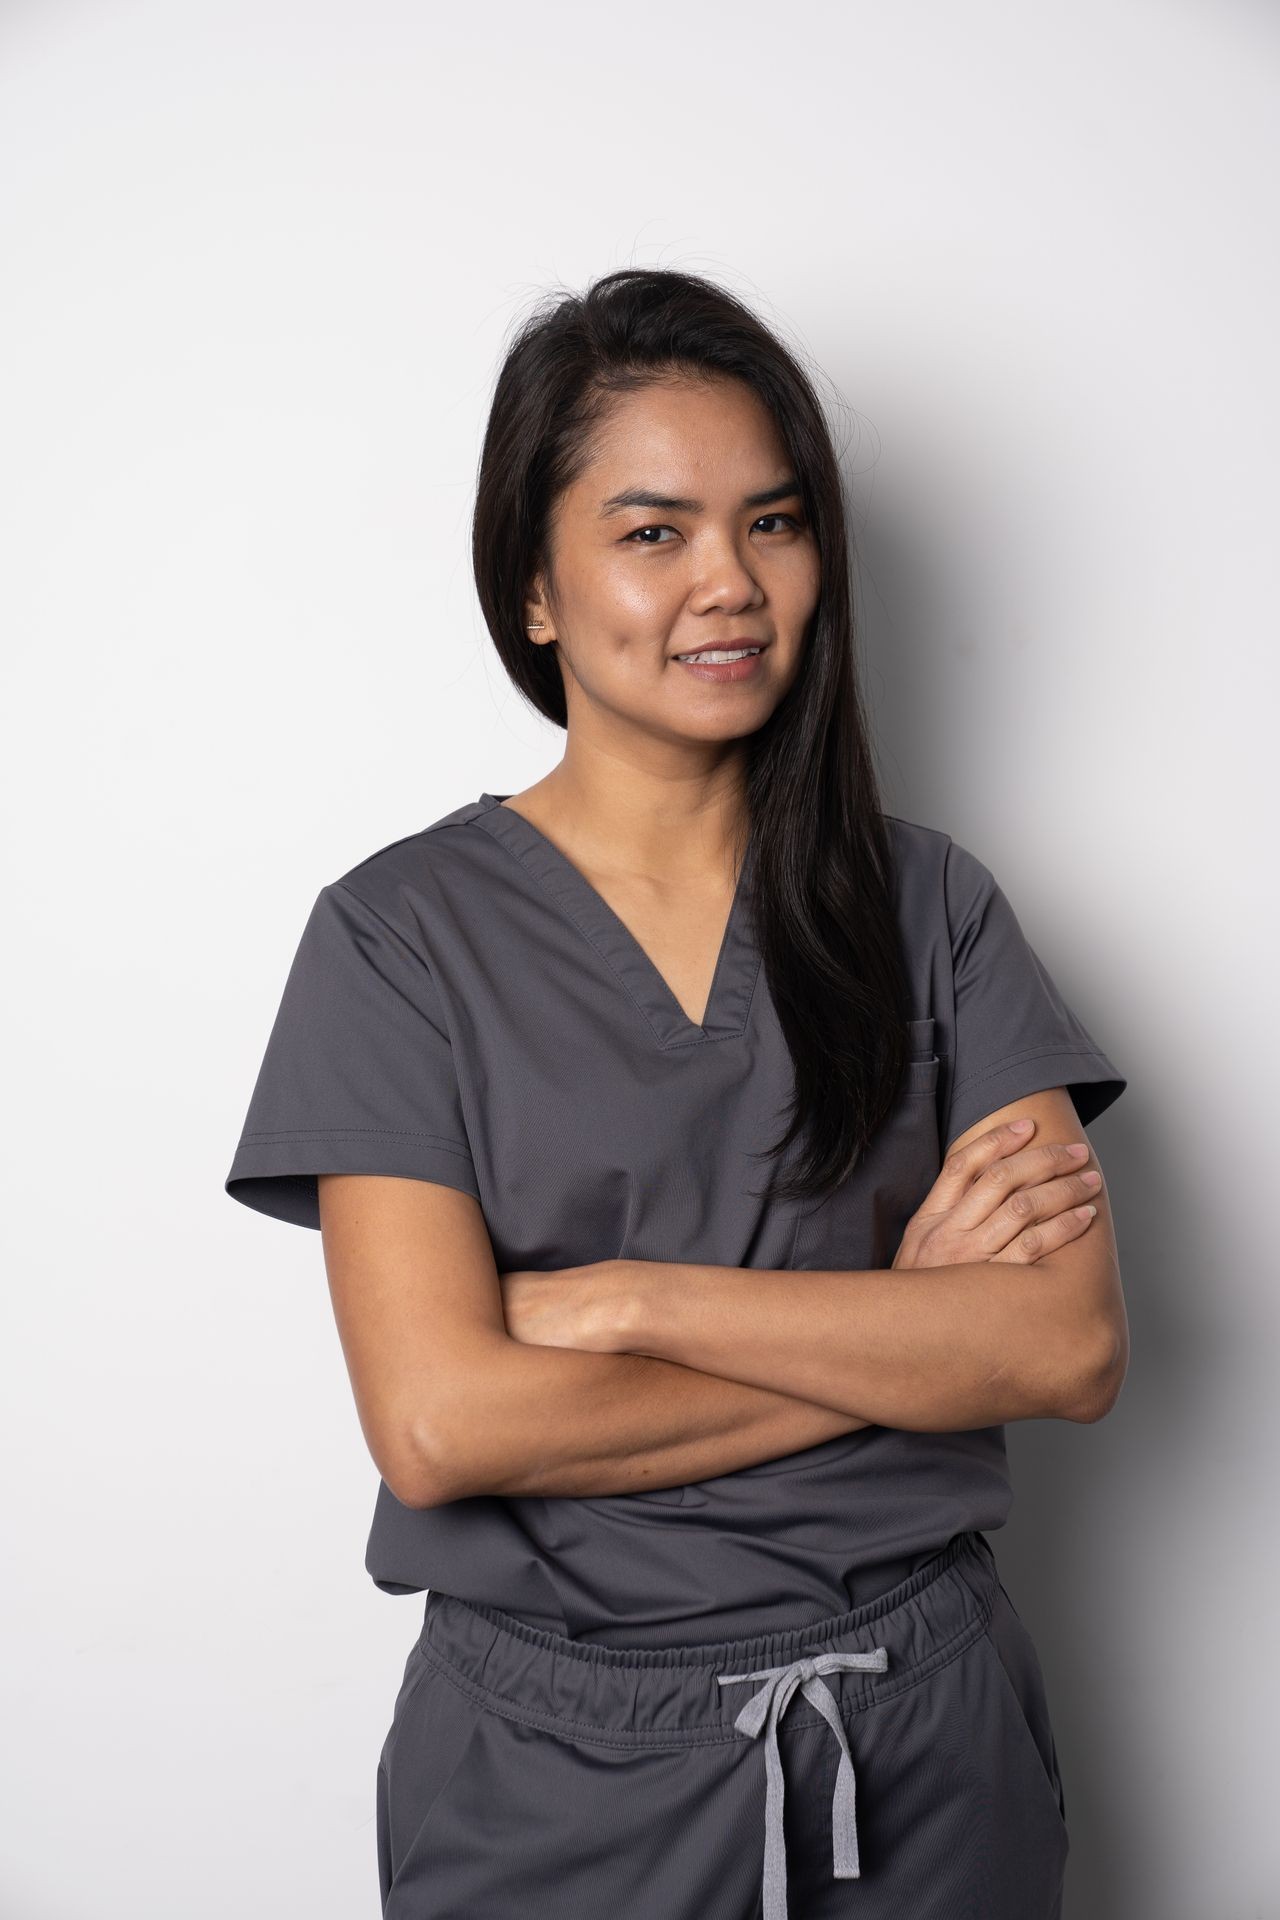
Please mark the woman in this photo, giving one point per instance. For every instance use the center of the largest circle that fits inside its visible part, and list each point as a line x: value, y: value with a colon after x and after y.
x: 681, y: 1413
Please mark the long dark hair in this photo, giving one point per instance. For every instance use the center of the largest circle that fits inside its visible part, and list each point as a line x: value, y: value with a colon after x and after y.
x: 824, y: 910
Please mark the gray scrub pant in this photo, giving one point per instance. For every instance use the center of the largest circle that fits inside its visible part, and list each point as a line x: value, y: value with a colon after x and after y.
x: 891, y: 1763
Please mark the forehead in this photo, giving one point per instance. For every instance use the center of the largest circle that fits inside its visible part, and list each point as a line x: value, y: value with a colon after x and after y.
x: 685, y: 436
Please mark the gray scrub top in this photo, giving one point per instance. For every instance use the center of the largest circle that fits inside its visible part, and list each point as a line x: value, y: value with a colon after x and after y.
x: 464, y: 1007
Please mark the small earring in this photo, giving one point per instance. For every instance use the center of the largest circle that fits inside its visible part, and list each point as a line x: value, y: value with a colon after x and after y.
x: 535, y: 628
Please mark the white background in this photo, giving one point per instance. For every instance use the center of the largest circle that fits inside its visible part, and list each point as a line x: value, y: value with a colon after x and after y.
x: 259, y: 264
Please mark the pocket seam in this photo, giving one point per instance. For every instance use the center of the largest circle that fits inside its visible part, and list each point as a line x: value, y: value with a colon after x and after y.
x: 920, y: 1035
x: 407, y: 1690
x: 1027, y: 1736
x: 922, y: 1075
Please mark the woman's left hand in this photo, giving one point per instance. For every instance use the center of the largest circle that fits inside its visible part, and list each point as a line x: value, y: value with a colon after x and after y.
x: 583, y: 1307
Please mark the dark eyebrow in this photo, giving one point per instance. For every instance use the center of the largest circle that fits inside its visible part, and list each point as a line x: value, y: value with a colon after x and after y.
x: 667, y: 503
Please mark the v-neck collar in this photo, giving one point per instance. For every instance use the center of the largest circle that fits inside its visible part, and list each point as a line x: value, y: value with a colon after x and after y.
x: 737, y: 964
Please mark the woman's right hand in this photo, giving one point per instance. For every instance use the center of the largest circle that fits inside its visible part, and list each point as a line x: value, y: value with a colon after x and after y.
x: 990, y: 1194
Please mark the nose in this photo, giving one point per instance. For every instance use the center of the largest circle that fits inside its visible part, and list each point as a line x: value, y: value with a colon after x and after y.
x: 726, y: 581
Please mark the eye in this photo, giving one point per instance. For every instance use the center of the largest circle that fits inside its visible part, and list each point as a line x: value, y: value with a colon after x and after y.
x: 790, y: 520
x: 648, y: 543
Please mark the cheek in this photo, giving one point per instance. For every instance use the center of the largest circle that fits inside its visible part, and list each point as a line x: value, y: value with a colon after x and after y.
x: 619, y: 622
x: 800, y: 588
x: 617, y: 665
x: 624, y: 597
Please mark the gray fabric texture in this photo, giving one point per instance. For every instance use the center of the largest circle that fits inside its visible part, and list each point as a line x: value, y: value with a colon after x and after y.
x: 525, y: 1775
x: 464, y: 1007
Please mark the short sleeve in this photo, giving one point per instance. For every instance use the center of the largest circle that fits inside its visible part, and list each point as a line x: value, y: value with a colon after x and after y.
x: 358, y: 1074
x: 1014, y: 1032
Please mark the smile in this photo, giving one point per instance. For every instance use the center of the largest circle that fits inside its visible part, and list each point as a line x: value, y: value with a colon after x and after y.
x: 719, y: 656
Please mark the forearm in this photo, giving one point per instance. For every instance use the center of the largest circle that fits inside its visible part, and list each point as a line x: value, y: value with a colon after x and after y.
x: 554, y: 1421
x: 937, y: 1349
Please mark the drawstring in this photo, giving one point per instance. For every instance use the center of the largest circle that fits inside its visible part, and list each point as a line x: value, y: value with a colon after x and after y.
x: 764, y: 1710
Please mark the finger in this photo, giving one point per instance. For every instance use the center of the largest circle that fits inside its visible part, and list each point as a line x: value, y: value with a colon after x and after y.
x: 963, y: 1164
x: 997, y: 1184
x: 1046, y: 1235
x: 1026, y: 1206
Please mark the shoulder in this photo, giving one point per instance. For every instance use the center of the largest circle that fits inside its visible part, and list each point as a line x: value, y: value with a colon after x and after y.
x: 403, y: 881
x: 939, y: 878
x: 915, y: 844
x: 919, y: 857
x: 918, y: 848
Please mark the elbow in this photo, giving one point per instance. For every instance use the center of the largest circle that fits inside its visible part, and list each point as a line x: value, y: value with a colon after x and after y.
x: 404, y: 1475
x: 414, y: 1469
x: 1096, y: 1382
x: 427, y: 1474
x: 449, y: 1461
x: 451, y: 1448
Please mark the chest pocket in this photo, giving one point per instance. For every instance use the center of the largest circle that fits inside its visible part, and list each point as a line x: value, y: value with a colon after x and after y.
x: 923, y: 1065
x: 860, y: 1225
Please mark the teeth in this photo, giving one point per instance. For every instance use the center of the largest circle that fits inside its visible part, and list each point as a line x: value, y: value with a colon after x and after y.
x: 739, y: 653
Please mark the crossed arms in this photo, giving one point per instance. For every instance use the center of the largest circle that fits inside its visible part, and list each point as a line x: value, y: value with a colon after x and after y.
x: 635, y: 1375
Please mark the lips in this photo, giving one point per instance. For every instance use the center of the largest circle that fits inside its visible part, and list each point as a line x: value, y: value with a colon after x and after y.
x: 724, y: 646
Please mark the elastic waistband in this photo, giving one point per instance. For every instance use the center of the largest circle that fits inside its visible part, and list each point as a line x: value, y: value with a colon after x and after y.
x: 671, y: 1696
